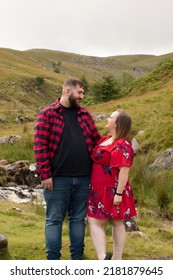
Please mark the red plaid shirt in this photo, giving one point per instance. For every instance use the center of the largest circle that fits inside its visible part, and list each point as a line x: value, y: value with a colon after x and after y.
x: 47, y: 134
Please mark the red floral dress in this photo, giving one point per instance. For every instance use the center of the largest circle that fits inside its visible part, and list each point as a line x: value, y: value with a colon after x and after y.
x: 104, y: 181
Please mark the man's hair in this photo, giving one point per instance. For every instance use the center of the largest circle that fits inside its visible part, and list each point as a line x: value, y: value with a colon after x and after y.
x: 73, y: 83
x: 123, y: 125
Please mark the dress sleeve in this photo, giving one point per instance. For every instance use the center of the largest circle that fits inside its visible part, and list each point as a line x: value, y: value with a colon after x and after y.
x: 122, y: 154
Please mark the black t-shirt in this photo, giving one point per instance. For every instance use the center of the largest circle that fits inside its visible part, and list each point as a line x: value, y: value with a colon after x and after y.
x: 72, y: 156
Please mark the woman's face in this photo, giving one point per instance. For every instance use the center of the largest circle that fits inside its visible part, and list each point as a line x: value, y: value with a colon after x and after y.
x: 111, y: 123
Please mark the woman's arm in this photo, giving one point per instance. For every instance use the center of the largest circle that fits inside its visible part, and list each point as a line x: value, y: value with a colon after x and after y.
x: 122, y: 180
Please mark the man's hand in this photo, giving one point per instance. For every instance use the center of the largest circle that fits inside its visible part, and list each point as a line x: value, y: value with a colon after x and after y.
x: 47, y: 184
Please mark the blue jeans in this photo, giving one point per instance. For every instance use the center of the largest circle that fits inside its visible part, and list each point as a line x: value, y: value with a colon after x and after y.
x: 69, y: 196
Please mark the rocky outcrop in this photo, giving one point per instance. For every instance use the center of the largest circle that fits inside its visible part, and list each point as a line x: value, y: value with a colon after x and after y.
x: 22, y: 194
x: 164, y: 161
x: 20, y: 173
x: 11, y: 139
x: 130, y: 225
x: 135, y: 145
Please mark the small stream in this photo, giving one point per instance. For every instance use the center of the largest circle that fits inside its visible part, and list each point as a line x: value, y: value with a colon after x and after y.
x: 22, y: 194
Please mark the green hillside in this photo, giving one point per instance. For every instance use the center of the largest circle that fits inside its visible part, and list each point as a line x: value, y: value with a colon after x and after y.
x: 149, y: 101
x: 148, y: 98
x: 22, y: 72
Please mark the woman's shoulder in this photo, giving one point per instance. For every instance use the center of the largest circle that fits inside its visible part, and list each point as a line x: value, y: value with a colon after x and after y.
x: 122, y: 153
x: 124, y: 144
x: 103, y: 138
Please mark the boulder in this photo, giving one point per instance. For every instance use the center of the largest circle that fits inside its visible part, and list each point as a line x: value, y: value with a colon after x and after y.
x: 164, y: 161
x: 3, y: 162
x: 20, y: 173
x: 130, y: 225
x: 135, y: 145
x: 3, y: 243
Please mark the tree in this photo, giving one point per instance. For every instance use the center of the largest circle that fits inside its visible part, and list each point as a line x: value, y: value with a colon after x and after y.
x: 106, y: 89
x: 56, y: 67
x: 85, y: 82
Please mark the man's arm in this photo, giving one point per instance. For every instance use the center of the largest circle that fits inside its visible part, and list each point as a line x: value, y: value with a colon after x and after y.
x: 41, y: 146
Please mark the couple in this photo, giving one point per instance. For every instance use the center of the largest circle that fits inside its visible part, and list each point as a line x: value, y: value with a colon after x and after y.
x: 71, y: 155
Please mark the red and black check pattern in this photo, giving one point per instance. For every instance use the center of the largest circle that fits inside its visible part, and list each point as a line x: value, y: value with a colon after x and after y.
x: 47, y: 134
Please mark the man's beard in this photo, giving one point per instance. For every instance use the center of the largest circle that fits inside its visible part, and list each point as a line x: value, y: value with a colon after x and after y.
x: 72, y: 101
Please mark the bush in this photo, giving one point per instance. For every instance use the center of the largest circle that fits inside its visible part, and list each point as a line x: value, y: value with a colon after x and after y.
x: 105, y: 89
x: 56, y: 67
x: 85, y: 82
x: 40, y: 80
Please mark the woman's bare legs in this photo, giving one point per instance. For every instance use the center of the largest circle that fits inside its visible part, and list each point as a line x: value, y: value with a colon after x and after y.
x: 98, y: 236
x: 119, y: 236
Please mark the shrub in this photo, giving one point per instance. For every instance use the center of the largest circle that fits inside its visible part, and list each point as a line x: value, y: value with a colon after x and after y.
x: 85, y: 82
x: 40, y: 80
x: 106, y: 89
x: 56, y: 67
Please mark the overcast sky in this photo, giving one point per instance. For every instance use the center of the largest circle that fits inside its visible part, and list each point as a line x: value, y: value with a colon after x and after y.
x: 90, y: 27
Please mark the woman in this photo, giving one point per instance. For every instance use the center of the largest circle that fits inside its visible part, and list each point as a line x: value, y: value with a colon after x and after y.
x: 111, y: 197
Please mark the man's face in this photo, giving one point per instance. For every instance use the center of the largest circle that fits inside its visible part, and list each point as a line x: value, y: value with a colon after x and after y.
x: 76, y: 96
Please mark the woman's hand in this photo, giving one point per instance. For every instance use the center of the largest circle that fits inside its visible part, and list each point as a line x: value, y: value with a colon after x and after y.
x: 117, y: 199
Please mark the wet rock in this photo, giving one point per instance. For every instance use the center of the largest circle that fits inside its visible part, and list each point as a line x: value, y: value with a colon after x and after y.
x: 22, y: 194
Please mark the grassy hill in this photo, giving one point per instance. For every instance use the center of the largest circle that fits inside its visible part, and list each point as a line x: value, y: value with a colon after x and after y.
x: 21, y: 73
x: 148, y: 99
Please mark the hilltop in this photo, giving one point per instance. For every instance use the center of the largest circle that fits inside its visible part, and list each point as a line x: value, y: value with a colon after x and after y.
x: 22, y: 72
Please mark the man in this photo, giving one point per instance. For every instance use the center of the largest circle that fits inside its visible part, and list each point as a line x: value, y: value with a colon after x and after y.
x: 64, y: 137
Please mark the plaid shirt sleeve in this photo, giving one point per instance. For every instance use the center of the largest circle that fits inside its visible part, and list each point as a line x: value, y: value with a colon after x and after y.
x: 89, y: 129
x: 95, y: 133
x: 41, y: 146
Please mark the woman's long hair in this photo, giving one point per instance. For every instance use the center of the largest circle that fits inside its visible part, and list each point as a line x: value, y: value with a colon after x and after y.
x: 123, y: 125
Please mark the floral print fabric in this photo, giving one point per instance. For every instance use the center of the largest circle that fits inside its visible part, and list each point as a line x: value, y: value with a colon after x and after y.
x: 107, y: 161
